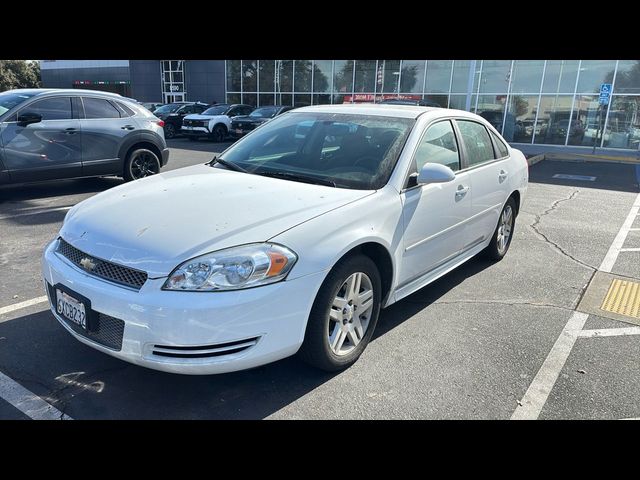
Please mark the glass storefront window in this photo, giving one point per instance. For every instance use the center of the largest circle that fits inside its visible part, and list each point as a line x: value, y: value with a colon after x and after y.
x: 320, y: 99
x: 284, y: 76
x: 412, y: 76
x: 343, y: 77
x: 441, y: 100
x: 365, y: 76
x: 521, y: 117
x: 284, y: 99
x: 267, y: 72
x: 388, y: 76
x: 233, y: 75
x: 301, y: 100
x: 457, y: 101
x: 593, y: 73
x: 628, y: 77
x: 249, y: 75
x: 250, y: 99
x: 302, y: 78
x: 491, y: 108
x: 526, y: 76
x: 438, y: 76
x: 322, y: 71
x: 233, y: 98
x: 587, y: 121
x: 553, y: 119
x: 560, y: 76
x: 495, y: 76
x: 460, y: 81
x: 266, y: 99
x: 623, y: 124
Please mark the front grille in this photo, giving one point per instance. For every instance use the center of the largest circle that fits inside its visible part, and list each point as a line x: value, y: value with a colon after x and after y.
x: 205, y: 351
x: 106, y: 270
x: 107, y: 330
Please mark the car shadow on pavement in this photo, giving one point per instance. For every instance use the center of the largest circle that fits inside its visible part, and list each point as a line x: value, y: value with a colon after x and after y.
x: 86, y: 384
x: 54, y: 188
x: 623, y: 177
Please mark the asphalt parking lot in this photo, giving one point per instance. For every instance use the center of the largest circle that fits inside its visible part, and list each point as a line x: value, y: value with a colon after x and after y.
x: 487, y: 341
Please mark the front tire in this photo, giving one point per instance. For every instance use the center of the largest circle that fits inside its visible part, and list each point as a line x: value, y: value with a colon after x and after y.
x: 497, y: 249
x: 344, y: 315
x: 219, y: 133
x: 169, y: 131
x: 141, y: 163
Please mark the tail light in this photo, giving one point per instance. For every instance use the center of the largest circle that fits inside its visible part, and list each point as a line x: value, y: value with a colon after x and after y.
x: 160, y: 123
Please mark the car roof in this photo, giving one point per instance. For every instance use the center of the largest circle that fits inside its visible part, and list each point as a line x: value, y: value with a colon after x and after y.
x: 43, y: 91
x: 384, y: 110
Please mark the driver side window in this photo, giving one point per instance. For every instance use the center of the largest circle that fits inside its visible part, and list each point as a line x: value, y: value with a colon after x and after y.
x: 438, y: 145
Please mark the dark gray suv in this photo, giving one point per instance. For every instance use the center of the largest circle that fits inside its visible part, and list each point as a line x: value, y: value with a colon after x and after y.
x: 49, y: 134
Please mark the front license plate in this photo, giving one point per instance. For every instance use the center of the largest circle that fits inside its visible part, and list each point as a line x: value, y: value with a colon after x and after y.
x: 71, y: 308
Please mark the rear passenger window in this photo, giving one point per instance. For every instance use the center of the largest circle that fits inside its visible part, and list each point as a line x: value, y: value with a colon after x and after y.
x: 477, y: 143
x: 500, y: 146
x: 124, y: 110
x: 438, y: 145
x: 99, y: 108
x: 57, y: 108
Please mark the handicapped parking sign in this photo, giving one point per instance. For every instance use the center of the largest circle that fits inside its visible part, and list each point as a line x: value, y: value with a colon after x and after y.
x: 605, y: 92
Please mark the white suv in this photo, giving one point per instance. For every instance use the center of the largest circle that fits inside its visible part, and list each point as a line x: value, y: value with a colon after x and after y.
x: 214, y: 122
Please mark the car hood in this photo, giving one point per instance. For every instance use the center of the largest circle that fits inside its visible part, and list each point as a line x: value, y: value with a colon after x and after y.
x: 249, y: 119
x: 198, y: 116
x: 156, y: 223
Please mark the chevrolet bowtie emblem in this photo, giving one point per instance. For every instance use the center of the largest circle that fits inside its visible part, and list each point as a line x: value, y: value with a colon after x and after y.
x: 87, y: 264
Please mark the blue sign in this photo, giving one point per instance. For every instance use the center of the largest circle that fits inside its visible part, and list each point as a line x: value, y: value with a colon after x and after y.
x: 605, y: 92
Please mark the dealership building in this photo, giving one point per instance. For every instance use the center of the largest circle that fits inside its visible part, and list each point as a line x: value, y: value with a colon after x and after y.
x: 540, y: 106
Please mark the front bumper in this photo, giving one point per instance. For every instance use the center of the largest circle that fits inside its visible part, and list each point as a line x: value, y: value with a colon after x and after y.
x: 194, y: 131
x: 160, y: 327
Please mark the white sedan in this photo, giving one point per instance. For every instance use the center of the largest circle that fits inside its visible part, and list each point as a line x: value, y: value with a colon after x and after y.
x: 290, y: 242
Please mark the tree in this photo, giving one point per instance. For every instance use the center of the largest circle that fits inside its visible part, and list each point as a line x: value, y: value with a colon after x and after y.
x: 19, y: 74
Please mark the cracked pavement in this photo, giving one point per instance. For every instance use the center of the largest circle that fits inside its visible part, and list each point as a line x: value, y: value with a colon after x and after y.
x: 465, y: 347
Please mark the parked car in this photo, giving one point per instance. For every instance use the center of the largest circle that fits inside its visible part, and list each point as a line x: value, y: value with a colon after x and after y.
x: 48, y: 134
x: 173, y: 115
x: 406, y: 101
x: 246, y: 123
x: 151, y: 106
x: 292, y: 240
x: 215, y: 122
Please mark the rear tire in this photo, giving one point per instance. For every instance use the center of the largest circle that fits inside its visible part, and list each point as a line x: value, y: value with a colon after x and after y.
x: 499, y: 246
x: 140, y: 163
x: 336, y: 338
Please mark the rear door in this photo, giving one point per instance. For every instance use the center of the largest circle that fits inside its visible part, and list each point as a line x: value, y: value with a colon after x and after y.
x: 47, y: 149
x: 488, y: 176
x: 105, y: 128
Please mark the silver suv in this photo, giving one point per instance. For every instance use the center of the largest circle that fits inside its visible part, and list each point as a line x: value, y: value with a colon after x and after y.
x: 49, y: 134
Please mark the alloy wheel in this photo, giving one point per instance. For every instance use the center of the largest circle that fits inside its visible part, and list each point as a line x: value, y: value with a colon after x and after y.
x: 504, y: 229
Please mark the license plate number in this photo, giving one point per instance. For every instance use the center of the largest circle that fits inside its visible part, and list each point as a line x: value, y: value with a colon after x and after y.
x: 71, y: 309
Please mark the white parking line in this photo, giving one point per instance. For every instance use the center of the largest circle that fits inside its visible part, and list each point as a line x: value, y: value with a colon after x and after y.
x: 27, y: 402
x: 614, y: 249
x: 634, y: 229
x: 609, y: 332
x: 630, y: 249
x: 25, y: 304
x: 26, y: 214
x: 536, y: 396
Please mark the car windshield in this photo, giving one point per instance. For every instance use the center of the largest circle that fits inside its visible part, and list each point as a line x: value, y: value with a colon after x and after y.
x: 217, y: 110
x: 345, y: 150
x: 266, y: 112
x: 172, y: 107
x: 9, y: 100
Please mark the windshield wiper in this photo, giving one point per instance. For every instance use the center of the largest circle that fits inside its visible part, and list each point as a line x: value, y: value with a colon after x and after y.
x: 228, y: 164
x: 297, y: 178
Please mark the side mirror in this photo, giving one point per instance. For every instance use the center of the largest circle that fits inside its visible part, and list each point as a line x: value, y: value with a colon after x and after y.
x: 435, y: 173
x: 28, y: 118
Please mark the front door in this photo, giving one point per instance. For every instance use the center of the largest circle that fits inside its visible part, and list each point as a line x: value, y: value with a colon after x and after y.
x: 173, y: 97
x: 48, y: 149
x: 434, y: 215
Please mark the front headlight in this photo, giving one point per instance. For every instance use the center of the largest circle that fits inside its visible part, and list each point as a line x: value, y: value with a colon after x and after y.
x: 233, y: 269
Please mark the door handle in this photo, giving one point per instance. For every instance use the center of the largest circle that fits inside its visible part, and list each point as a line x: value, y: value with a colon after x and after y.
x: 503, y: 175
x: 71, y: 131
x: 461, y: 191
x: 128, y: 127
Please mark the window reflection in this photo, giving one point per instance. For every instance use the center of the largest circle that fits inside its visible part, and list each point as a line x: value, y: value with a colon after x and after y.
x: 438, y: 76
x: 460, y: 80
x: 560, y: 76
x: 302, y: 77
x: 267, y: 71
x: 491, y: 108
x: 628, y: 77
x: 522, y: 111
x: 365, y: 76
x: 553, y: 119
x: 389, y: 76
x: 587, y: 121
x: 250, y: 75
x: 412, y: 76
x: 526, y: 76
x: 623, y: 124
x: 342, y: 79
x: 593, y: 73
x: 322, y: 75
x: 233, y: 75
x: 284, y: 76
x: 495, y: 76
